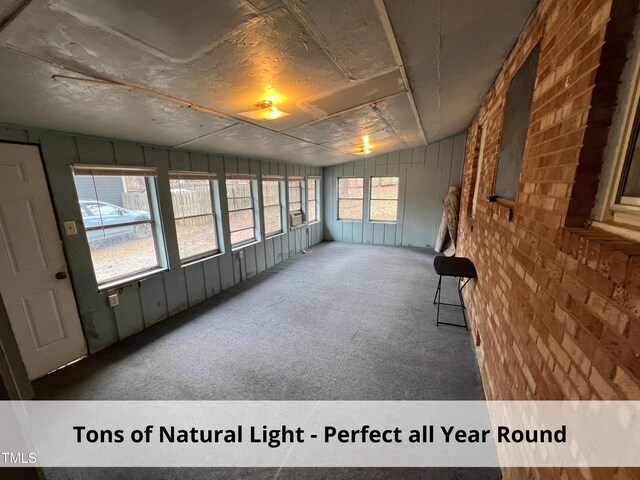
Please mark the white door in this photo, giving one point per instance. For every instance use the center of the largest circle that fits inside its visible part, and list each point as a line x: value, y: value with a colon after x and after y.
x: 34, y: 282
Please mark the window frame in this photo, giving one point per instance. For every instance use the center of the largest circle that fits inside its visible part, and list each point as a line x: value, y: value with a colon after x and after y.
x: 280, y: 181
x: 155, y: 219
x: 254, y: 207
x: 211, y: 179
x: 348, y: 198
x: 610, y: 213
x: 371, y: 199
x: 299, y: 181
x: 316, y: 189
x: 482, y: 126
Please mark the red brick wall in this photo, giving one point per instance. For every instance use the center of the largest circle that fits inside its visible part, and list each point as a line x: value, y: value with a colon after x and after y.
x: 556, y: 310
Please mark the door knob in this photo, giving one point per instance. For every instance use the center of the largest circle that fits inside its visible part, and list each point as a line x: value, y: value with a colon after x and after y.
x: 61, y: 275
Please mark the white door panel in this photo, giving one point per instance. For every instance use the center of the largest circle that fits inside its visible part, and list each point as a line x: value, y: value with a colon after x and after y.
x: 42, y: 308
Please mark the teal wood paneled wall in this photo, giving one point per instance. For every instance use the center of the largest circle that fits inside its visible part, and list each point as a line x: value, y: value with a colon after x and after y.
x: 440, y: 162
x: 153, y: 299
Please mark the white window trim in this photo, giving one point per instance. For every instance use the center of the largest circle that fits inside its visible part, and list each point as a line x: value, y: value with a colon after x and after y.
x: 608, y: 214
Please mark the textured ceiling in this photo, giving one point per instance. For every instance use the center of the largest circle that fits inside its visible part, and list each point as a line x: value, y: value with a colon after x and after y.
x: 178, y: 73
x: 452, y: 51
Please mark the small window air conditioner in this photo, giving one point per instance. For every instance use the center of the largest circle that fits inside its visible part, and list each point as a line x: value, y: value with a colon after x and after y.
x: 296, y: 219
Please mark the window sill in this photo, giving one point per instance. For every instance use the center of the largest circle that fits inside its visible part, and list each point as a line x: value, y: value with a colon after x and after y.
x: 275, y: 235
x: 244, y: 245
x: 124, y: 282
x: 383, y: 222
x: 193, y: 261
x: 313, y: 223
x: 630, y: 232
x: 346, y: 220
x: 297, y: 227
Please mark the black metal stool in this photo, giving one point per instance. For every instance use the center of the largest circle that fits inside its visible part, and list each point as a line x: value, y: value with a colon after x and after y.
x: 459, y: 267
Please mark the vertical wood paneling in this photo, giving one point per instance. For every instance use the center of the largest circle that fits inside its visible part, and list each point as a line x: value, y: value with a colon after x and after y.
x: 95, y: 151
x: 270, y: 252
x: 180, y: 160
x: 194, y: 278
x: 153, y: 300
x: 199, y: 162
x: 128, y: 313
x: 176, y: 291
x: 212, y: 276
x: 14, y: 135
x: 128, y: 154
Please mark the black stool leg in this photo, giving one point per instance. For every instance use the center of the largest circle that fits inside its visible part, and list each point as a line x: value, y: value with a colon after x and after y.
x: 464, y: 308
x: 437, y: 290
x: 439, y: 298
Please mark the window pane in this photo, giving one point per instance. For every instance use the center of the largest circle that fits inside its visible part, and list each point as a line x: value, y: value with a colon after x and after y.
x: 241, y: 215
x: 242, y: 236
x: 240, y: 203
x: 270, y: 192
x: 632, y: 181
x: 238, y: 188
x: 241, y: 219
x: 311, y: 194
x: 196, y: 236
x: 312, y: 210
x: 117, y: 253
x: 295, y: 196
x: 384, y: 188
x: 384, y: 210
x: 272, y: 219
x: 350, y: 210
x: 350, y: 187
x: 191, y: 197
x: 193, y: 211
x: 119, y: 226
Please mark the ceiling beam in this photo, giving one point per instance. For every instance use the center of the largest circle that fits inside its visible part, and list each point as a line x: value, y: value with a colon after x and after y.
x: 397, y: 57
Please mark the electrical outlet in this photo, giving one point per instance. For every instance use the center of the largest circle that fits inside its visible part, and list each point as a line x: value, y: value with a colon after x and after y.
x: 114, y: 301
x: 70, y: 228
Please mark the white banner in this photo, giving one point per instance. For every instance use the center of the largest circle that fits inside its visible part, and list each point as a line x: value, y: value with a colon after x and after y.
x: 320, y: 434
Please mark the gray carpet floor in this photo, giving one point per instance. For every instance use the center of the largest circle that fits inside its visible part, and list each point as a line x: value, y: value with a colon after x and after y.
x: 345, y: 322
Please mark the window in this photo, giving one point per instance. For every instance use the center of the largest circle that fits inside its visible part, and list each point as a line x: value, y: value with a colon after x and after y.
x: 476, y: 187
x: 272, y: 205
x: 517, y: 112
x: 118, y: 219
x: 312, y: 199
x: 630, y: 182
x: 617, y: 206
x: 625, y: 191
x: 191, y: 195
x: 350, y: 198
x: 242, y: 220
x: 295, y: 195
x: 383, y: 206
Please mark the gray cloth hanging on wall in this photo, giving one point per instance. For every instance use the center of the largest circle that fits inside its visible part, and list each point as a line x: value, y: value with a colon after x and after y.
x: 448, y: 233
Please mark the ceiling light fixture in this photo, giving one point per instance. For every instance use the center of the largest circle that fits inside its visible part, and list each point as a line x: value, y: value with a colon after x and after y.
x: 266, y: 111
x: 366, y: 147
